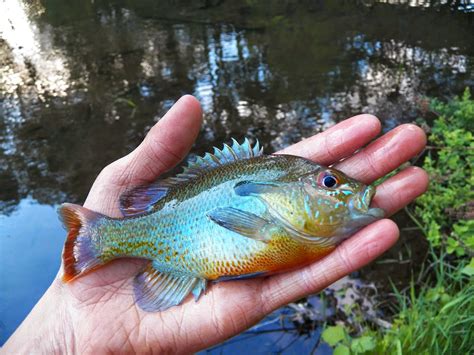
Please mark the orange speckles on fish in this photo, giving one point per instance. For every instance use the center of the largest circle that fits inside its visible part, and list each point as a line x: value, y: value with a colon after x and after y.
x: 231, y: 214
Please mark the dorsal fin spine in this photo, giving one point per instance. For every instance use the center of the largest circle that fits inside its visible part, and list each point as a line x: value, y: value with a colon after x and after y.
x: 223, y: 156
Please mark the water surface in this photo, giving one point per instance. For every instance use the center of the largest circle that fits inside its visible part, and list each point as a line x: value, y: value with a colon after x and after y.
x: 81, y: 83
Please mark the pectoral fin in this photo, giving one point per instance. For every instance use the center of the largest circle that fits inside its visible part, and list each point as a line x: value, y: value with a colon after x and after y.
x: 244, y: 223
x: 157, y: 291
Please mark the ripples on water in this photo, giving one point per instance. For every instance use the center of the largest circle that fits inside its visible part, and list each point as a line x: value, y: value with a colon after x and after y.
x: 81, y: 84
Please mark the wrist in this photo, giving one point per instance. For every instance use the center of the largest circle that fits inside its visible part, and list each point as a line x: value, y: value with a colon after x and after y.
x: 46, y: 329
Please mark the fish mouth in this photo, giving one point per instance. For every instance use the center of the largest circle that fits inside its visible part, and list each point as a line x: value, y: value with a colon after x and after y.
x: 360, y: 215
x: 369, y: 216
x: 376, y: 212
x: 367, y: 213
x: 368, y: 195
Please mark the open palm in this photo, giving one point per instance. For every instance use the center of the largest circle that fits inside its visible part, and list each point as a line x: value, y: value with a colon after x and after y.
x: 97, y: 312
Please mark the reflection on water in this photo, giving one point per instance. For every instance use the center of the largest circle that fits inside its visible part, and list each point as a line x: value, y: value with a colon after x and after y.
x: 81, y: 83
x: 70, y: 74
x: 33, y: 58
x: 461, y: 5
x: 30, y: 249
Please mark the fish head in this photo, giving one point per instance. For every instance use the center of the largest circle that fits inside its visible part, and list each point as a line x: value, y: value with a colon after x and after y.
x: 324, y: 203
x: 337, y: 205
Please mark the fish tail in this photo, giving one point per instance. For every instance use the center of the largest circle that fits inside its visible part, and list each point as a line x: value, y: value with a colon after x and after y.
x: 80, y: 254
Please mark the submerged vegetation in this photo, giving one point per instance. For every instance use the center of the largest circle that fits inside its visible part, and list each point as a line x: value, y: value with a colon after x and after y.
x: 435, y: 314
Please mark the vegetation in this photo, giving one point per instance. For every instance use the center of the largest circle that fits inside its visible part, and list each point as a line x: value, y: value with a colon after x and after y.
x: 439, y: 320
x: 444, y: 210
x: 436, y: 313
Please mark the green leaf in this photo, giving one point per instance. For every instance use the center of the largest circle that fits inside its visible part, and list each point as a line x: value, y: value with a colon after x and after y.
x: 341, y: 350
x: 363, y: 344
x: 333, y: 335
x: 470, y: 241
x: 452, y: 245
x: 469, y: 269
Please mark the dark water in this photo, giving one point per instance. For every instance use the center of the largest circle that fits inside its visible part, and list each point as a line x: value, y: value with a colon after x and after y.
x: 80, y: 84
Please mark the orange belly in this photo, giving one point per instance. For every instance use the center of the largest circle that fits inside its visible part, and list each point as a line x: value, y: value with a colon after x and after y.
x: 282, y: 253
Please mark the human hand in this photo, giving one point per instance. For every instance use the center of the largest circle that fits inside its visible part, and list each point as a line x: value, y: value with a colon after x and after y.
x: 97, y: 312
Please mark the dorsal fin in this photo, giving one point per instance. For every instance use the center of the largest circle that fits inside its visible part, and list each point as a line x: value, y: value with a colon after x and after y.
x: 222, y: 156
x: 140, y: 199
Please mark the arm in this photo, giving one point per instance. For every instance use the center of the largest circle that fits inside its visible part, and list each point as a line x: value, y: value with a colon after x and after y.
x: 97, y: 312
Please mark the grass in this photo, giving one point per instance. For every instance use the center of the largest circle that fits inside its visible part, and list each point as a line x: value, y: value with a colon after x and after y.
x: 433, y: 320
x: 429, y: 320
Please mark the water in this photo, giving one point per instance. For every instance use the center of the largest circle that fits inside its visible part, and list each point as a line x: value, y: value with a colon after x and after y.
x: 30, y: 252
x: 81, y: 83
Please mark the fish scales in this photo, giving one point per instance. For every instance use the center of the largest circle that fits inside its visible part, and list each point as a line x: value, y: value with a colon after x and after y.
x: 156, y: 235
x: 235, y: 213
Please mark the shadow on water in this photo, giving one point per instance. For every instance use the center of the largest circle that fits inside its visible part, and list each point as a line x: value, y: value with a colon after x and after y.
x: 81, y: 83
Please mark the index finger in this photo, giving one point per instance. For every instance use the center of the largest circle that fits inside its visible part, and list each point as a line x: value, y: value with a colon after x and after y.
x: 337, y: 142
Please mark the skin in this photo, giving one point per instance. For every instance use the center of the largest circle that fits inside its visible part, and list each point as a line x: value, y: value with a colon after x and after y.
x: 96, y: 313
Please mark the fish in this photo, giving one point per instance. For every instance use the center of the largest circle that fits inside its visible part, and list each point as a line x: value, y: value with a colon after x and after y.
x: 230, y: 214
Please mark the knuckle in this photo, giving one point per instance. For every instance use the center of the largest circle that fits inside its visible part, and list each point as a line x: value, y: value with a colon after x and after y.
x: 310, y: 283
x: 345, y: 259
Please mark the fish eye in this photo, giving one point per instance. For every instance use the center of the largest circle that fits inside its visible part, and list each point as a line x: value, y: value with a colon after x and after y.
x: 329, y: 181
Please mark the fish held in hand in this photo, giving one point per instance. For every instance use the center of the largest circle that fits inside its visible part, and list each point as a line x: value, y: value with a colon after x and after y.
x: 231, y: 214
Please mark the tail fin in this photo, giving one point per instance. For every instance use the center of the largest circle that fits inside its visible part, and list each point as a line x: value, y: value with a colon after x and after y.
x: 79, y: 254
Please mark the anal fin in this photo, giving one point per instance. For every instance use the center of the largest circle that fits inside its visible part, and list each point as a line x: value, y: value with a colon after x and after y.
x: 199, y: 288
x: 156, y: 291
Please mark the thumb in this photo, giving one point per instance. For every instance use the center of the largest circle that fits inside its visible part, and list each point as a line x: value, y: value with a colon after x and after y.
x: 165, y: 145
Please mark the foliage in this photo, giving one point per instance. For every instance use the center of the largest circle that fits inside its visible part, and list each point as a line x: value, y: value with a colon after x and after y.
x: 334, y: 335
x: 443, y: 210
x: 437, y: 317
x: 338, y: 337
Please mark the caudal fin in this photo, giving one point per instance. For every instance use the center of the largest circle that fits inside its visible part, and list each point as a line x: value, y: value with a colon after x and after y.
x: 79, y: 254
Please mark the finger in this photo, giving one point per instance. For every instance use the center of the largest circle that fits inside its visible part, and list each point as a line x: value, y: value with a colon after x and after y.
x: 385, y: 154
x: 166, y: 144
x: 338, y: 141
x: 399, y: 190
x: 351, y: 255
